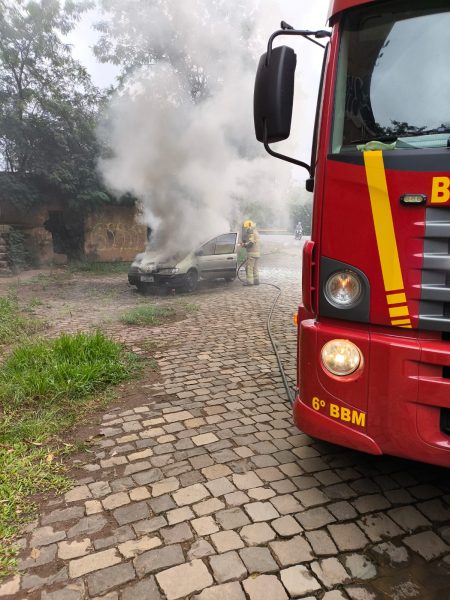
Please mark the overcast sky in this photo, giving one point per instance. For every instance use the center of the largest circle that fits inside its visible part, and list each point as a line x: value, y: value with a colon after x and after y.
x: 302, y: 14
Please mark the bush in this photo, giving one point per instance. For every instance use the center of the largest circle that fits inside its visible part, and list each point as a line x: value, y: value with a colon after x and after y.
x: 18, y: 257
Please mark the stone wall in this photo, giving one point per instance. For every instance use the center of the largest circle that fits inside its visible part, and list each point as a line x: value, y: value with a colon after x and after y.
x: 112, y: 233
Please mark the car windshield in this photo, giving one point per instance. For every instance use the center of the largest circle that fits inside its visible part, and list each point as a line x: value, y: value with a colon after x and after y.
x: 393, y: 78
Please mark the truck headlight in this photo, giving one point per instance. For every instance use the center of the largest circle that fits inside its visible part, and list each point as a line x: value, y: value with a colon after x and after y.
x: 343, y: 289
x: 341, y: 357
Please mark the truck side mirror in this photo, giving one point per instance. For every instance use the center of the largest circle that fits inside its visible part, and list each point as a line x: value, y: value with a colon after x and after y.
x: 274, y: 95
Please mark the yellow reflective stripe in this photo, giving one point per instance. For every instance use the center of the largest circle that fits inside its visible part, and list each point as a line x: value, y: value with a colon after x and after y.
x: 401, y: 322
x: 399, y: 311
x: 386, y: 240
x: 396, y: 298
x: 382, y: 218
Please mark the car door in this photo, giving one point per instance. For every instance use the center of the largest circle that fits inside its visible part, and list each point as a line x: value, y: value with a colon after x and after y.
x: 218, y: 257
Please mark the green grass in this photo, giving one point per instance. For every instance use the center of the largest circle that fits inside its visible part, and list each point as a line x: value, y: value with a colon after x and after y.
x: 99, y: 268
x: 14, y: 323
x: 149, y: 314
x: 46, y: 386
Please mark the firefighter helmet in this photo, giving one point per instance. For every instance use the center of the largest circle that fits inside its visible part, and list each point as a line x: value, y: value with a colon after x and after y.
x: 249, y: 224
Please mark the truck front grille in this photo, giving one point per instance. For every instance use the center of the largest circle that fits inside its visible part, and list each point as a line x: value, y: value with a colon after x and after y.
x: 435, y: 292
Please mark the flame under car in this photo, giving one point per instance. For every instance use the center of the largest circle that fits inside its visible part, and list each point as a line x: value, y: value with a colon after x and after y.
x: 215, y: 259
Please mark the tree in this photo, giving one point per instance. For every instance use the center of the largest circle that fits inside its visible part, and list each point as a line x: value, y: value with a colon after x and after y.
x: 48, y: 105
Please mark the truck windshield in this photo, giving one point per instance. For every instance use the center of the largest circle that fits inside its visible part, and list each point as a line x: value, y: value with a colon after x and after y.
x: 393, y: 79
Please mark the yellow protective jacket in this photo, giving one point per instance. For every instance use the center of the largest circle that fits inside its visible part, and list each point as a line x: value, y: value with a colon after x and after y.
x: 253, y: 246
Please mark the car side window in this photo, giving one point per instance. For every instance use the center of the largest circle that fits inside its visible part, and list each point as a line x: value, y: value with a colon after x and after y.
x: 208, y: 248
x: 226, y: 243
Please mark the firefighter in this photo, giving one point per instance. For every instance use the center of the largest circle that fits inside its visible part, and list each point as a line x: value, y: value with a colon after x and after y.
x: 250, y: 241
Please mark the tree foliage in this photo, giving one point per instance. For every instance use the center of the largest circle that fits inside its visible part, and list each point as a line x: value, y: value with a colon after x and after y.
x: 48, y: 105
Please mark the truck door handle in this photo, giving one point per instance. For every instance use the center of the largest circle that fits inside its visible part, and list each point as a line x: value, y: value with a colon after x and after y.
x: 230, y: 258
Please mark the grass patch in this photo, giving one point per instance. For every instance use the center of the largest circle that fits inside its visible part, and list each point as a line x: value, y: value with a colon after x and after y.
x: 99, y: 268
x: 150, y: 314
x: 45, y: 387
x: 14, y: 324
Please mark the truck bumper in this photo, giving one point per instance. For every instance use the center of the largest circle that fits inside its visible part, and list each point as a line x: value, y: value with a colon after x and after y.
x: 397, y: 403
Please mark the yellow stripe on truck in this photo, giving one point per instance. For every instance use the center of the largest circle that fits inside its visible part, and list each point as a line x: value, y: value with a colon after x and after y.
x: 385, y: 236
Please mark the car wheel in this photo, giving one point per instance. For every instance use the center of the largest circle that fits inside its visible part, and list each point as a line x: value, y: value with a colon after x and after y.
x: 191, y: 281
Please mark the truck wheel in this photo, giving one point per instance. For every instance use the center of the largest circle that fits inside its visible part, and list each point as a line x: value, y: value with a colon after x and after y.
x: 191, y: 281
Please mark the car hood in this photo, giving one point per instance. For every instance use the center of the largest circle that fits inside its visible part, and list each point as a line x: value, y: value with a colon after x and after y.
x: 146, y: 259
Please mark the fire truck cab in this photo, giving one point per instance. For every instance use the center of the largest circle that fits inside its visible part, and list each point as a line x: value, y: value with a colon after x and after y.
x: 374, y: 323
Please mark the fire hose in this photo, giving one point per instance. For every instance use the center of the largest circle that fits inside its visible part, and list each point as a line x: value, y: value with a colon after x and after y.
x: 287, y: 387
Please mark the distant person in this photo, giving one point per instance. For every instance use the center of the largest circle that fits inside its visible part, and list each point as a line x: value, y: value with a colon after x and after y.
x: 250, y: 241
x: 299, y: 231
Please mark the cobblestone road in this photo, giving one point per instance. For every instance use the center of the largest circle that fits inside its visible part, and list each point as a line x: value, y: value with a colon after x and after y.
x: 205, y: 490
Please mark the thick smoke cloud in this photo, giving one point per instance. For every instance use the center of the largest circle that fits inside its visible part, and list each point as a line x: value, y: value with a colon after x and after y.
x: 193, y: 161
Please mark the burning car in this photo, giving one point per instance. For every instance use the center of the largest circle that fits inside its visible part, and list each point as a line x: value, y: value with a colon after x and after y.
x: 215, y: 259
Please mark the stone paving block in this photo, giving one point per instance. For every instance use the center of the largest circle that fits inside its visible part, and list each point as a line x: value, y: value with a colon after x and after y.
x: 183, y: 580
x: 162, y: 504
x: 132, y: 548
x: 258, y: 560
x: 232, y: 518
x: 87, y: 526
x: 104, y: 580
x: 64, y: 514
x: 190, y: 494
x: 115, y: 500
x: 93, y: 562
x: 226, y: 591
x: 408, y: 518
x: 236, y: 498
x: 314, y: 518
x: 183, y: 415
x: 435, y: 510
x: 224, y: 541
x: 73, y: 549
x: 261, y: 493
x: 427, y: 544
x: 204, y: 525
x: 216, y: 471
x: 165, y: 486
x: 291, y: 552
x: 44, y: 536
x: 257, y: 533
x: 390, y: 554
x: 31, y: 581
x: 330, y: 572
x: 286, y: 504
x: 321, y: 542
x: 138, y: 494
x: 155, y: 560
x: 72, y: 591
x: 359, y: 592
x: 199, y: 549
x: 10, y: 586
x: 147, y: 477
x: 264, y: 587
x: 220, y: 487
x: 261, y: 511
x: 247, y: 481
x: 178, y: 515
x: 204, y: 439
x: 131, y: 513
x: 348, y: 536
x: 379, y: 526
x: 119, y: 534
x: 227, y: 567
x: 143, y: 590
x: 342, y: 511
x: 207, y: 507
x: 81, y: 492
x: 178, y: 533
x: 298, y: 581
x: 286, y: 526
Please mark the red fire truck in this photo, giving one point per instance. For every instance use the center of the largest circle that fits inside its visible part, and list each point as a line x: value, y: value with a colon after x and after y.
x: 374, y: 323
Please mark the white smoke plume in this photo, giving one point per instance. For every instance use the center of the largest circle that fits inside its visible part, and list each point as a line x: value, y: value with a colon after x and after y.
x: 191, y: 163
